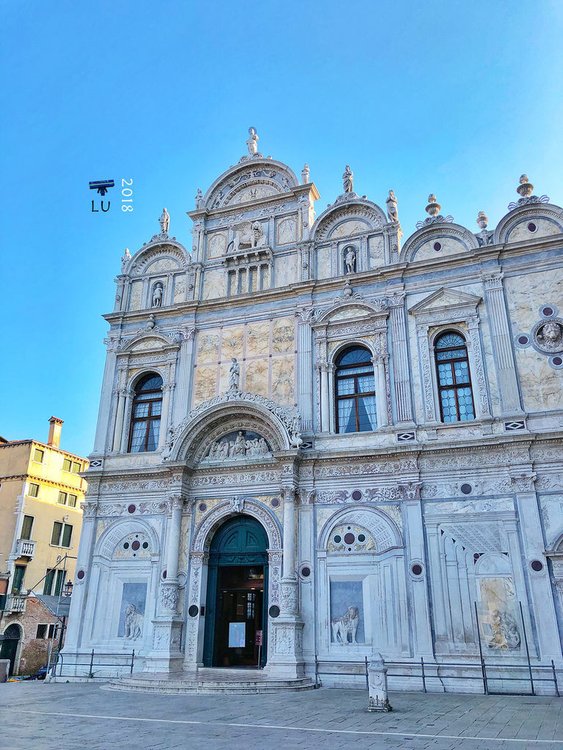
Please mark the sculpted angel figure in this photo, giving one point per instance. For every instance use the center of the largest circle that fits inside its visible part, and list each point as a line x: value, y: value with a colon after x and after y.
x: 348, y: 180
x: 164, y: 221
x: 252, y: 142
x: 157, y: 293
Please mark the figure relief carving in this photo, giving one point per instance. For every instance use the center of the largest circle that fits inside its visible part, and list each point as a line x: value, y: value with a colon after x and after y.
x: 234, y: 375
x: 248, y: 236
x: 504, y: 631
x: 244, y: 444
x: 345, y: 627
x: 133, y: 623
x: 236, y: 504
x: 549, y: 336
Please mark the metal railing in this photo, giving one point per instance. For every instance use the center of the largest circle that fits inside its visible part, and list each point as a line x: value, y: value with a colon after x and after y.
x: 422, y: 672
x: 96, y: 662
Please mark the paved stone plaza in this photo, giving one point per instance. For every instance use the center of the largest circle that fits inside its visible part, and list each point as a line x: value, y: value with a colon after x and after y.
x: 70, y: 716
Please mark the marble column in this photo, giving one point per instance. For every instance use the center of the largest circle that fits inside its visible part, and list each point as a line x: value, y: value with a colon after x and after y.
x: 305, y: 368
x: 502, y: 344
x: 539, y: 585
x: 126, y: 415
x: 380, y: 391
x: 165, y: 655
x: 119, y: 417
x: 323, y: 369
x: 399, y: 342
x: 102, y: 429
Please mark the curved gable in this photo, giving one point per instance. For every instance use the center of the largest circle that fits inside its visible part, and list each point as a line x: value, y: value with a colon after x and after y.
x: 438, y: 240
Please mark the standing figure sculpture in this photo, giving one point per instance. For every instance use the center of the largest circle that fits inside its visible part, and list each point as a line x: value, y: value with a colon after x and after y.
x: 164, y: 221
x: 392, y: 212
x: 348, y: 180
x: 157, y: 294
x: 350, y: 260
x: 252, y: 142
x: 234, y: 375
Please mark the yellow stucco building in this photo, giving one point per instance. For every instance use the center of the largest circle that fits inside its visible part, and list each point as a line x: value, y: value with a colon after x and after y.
x: 41, y: 491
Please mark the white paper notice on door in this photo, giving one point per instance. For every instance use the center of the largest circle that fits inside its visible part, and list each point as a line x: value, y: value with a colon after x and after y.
x: 237, y: 634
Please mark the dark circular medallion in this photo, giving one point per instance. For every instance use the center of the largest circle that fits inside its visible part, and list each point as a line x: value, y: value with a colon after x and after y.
x: 80, y: 575
x: 164, y: 574
x: 536, y: 565
x: 523, y: 340
x: 337, y: 539
x: 274, y: 611
x: 356, y: 495
x: 547, y: 311
x: 305, y: 571
x: 131, y: 508
x: 437, y: 246
x: 275, y: 502
x: 361, y: 537
x: 416, y: 569
x: 349, y: 538
x: 145, y: 545
x: 532, y: 227
x: 466, y: 488
x: 136, y: 545
x: 193, y: 611
x: 202, y: 507
x: 126, y: 545
x: 557, y: 361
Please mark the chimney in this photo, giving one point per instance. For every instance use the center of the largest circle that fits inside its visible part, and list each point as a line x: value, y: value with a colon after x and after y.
x: 55, y: 427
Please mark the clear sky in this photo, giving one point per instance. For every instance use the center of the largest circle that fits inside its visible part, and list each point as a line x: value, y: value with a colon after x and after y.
x: 456, y: 98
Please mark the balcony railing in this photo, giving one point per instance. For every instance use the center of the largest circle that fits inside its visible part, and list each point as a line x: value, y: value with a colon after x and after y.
x: 25, y: 548
x: 15, y: 603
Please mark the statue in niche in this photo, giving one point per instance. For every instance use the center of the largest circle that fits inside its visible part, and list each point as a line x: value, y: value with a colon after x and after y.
x: 350, y: 260
x: 164, y: 221
x: 550, y: 336
x: 505, y: 633
x: 348, y: 180
x: 157, y: 294
x: 234, y: 375
x: 252, y: 142
x: 392, y: 211
x: 344, y: 628
x: 133, y: 622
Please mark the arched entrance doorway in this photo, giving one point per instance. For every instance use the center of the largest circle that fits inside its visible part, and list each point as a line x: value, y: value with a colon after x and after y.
x: 10, y: 643
x: 237, y: 593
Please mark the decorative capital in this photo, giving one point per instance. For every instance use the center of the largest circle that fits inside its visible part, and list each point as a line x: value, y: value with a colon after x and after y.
x: 523, y: 481
x: 410, y: 490
x: 176, y: 501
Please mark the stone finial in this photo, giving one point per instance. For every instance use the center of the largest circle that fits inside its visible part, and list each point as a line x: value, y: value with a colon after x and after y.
x: 305, y: 174
x: 125, y: 258
x: 164, y: 221
x: 482, y: 220
x: 348, y: 180
x: 525, y: 188
x: 433, y: 207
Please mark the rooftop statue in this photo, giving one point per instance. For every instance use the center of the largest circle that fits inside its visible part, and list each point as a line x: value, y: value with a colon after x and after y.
x: 164, y: 221
x: 252, y: 141
x: 348, y: 180
x: 392, y: 212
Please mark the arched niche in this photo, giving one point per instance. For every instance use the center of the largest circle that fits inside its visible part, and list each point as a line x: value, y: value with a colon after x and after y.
x: 528, y: 222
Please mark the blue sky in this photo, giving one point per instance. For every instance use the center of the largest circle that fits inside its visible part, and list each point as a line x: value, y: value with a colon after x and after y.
x: 455, y: 98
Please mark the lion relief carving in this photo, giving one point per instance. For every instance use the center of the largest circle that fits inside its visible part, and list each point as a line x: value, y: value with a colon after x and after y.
x: 344, y: 628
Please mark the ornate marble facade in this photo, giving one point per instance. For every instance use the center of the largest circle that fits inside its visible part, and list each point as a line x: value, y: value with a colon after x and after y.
x: 415, y: 538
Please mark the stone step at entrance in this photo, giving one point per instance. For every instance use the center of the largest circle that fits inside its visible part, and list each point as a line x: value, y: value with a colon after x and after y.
x: 208, y: 681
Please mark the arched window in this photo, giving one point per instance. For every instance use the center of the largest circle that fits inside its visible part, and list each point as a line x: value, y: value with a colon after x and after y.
x: 145, y: 418
x: 355, y: 391
x: 454, y: 380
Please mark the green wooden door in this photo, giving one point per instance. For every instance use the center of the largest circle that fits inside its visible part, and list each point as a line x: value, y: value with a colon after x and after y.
x: 237, y: 595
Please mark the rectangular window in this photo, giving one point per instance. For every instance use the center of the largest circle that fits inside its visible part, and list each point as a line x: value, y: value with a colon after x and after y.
x: 38, y: 455
x: 75, y: 467
x: 62, y: 498
x: 72, y: 501
x: 33, y: 490
x: 67, y: 464
x: 48, y: 583
x: 27, y: 525
x: 41, y: 631
x: 17, y: 581
x: 59, y: 582
x: 67, y: 535
x: 52, y: 630
x: 56, y: 535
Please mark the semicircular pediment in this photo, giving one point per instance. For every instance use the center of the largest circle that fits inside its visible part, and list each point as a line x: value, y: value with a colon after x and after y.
x: 348, y: 219
x: 250, y: 181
